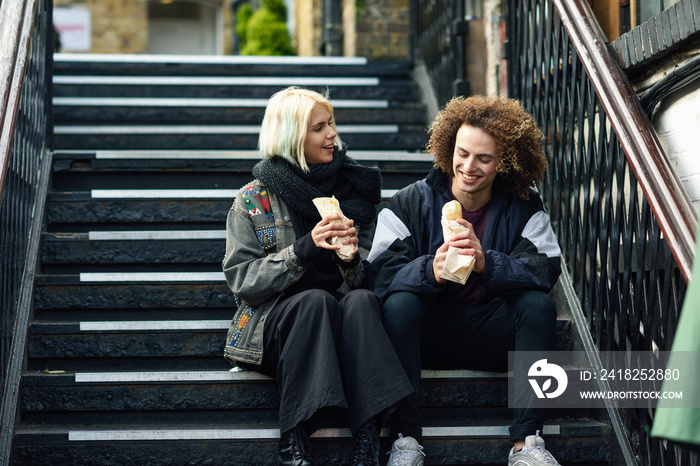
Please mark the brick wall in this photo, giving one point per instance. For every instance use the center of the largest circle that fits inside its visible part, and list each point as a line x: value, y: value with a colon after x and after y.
x: 383, y: 29
x: 121, y: 26
x: 376, y: 29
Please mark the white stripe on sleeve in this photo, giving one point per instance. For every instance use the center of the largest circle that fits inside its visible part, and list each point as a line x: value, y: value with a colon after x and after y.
x: 539, y: 231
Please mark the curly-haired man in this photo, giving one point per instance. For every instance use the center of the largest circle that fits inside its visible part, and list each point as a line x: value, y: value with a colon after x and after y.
x: 488, y: 156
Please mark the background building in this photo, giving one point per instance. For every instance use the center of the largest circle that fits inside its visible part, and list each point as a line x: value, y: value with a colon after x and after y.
x: 201, y: 27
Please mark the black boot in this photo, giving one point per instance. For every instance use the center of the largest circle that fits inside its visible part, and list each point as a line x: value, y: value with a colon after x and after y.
x: 294, y: 448
x: 367, y: 444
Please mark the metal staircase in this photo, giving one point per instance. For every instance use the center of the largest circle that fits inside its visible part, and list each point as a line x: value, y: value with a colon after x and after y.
x: 124, y: 352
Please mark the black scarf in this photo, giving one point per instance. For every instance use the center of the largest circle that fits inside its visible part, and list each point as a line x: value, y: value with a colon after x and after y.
x: 357, y: 187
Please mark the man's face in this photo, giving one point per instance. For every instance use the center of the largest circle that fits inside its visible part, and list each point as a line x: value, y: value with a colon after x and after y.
x: 474, y: 165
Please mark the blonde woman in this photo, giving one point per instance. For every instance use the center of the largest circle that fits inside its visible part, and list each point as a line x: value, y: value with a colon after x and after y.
x: 303, y: 315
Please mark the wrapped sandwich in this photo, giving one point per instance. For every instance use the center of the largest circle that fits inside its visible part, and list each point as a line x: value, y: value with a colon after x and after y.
x: 457, y: 266
x: 330, y: 206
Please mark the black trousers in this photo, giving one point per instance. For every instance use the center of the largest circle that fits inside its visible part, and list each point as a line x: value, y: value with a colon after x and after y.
x: 452, y: 336
x: 331, y: 356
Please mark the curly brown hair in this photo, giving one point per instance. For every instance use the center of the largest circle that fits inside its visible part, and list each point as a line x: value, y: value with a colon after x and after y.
x: 519, y: 140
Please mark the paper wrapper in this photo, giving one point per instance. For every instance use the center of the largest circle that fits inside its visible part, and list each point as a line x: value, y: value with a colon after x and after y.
x: 329, y: 206
x: 457, y: 266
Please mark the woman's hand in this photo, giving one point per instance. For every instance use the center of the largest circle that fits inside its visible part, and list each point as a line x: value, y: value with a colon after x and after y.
x: 331, y: 226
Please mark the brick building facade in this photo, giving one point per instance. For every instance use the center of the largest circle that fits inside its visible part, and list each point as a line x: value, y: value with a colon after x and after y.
x: 143, y: 26
x: 376, y: 29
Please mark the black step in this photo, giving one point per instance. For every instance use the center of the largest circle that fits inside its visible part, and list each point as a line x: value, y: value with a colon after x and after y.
x: 228, y: 87
x: 83, y: 248
x: 226, y: 137
x: 572, y: 442
x: 175, y: 65
x: 176, y: 113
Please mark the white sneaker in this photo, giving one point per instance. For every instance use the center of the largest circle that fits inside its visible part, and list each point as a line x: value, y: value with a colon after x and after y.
x: 406, y: 452
x: 532, y: 454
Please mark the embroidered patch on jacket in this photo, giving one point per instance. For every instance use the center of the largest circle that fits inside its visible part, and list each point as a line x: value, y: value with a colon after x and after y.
x: 257, y: 201
x: 245, y: 317
x: 267, y: 237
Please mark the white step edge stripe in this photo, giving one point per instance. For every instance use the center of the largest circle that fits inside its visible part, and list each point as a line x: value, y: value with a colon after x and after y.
x: 205, y: 129
x: 385, y: 156
x: 184, y: 376
x: 86, y: 277
x: 217, y: 80
x: 155, y: 235
x: 234, y: 375
x: 173, y: 155
x: 248, y: 434
x: 138, y: 325
x: 181, y: 193
x: 213, y: 59
x: 163, y: 193
x: 367, y: 155
x: 195, y: 102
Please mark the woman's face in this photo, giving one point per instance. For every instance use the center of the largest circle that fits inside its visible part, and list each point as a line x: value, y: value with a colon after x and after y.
x: 320, y: 135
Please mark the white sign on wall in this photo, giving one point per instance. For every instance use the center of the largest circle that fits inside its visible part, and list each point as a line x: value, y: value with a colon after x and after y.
x: 74, y: 28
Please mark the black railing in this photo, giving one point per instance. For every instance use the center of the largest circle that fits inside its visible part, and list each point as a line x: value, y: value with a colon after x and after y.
x: 24, y: 155
x: 439, y: 31
x: 623, y: 221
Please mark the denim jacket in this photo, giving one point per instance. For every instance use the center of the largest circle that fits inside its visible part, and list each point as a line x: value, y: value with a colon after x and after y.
x: 260, y: 264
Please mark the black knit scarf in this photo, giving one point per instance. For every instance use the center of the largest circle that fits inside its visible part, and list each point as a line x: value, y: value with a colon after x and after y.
x: 357, y: 187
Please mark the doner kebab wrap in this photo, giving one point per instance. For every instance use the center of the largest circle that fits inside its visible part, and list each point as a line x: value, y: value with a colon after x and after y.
x: 329, y: 206
x: 457, y: 266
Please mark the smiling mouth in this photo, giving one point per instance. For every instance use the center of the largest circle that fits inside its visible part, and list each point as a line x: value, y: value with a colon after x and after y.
x: 328, y: 147
x: 470, y: 177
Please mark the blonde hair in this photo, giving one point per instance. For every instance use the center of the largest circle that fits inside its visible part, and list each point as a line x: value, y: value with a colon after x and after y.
x: 286, y: 121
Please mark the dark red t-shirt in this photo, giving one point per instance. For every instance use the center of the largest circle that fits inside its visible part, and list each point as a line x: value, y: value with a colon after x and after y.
x: 470, y: 292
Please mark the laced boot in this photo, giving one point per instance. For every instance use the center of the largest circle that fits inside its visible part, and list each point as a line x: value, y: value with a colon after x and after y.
x: 367, y: 444
x: 294, y: 448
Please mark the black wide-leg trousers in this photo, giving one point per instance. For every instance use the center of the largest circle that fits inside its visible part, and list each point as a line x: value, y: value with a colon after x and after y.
x: 331, y: 356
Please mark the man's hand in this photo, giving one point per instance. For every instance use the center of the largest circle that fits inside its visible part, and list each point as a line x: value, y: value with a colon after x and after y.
x: 439, y: 262
x: 469, y: 245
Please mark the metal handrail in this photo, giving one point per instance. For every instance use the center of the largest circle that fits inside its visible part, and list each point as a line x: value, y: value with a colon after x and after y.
x: 25, y: 138
x: 662, y: 188
x: 14, y: 52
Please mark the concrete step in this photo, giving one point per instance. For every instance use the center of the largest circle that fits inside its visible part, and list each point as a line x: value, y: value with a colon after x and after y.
x: 219, y: 111
x: 579, y: 443
x: 233, y: 86
x: 75, y: 64
x: 87, y: 170
x: 70, y: 293
x: 477, y: 395
x: 66, y: 252
x: 223, y: 137
x: 104, y: 336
